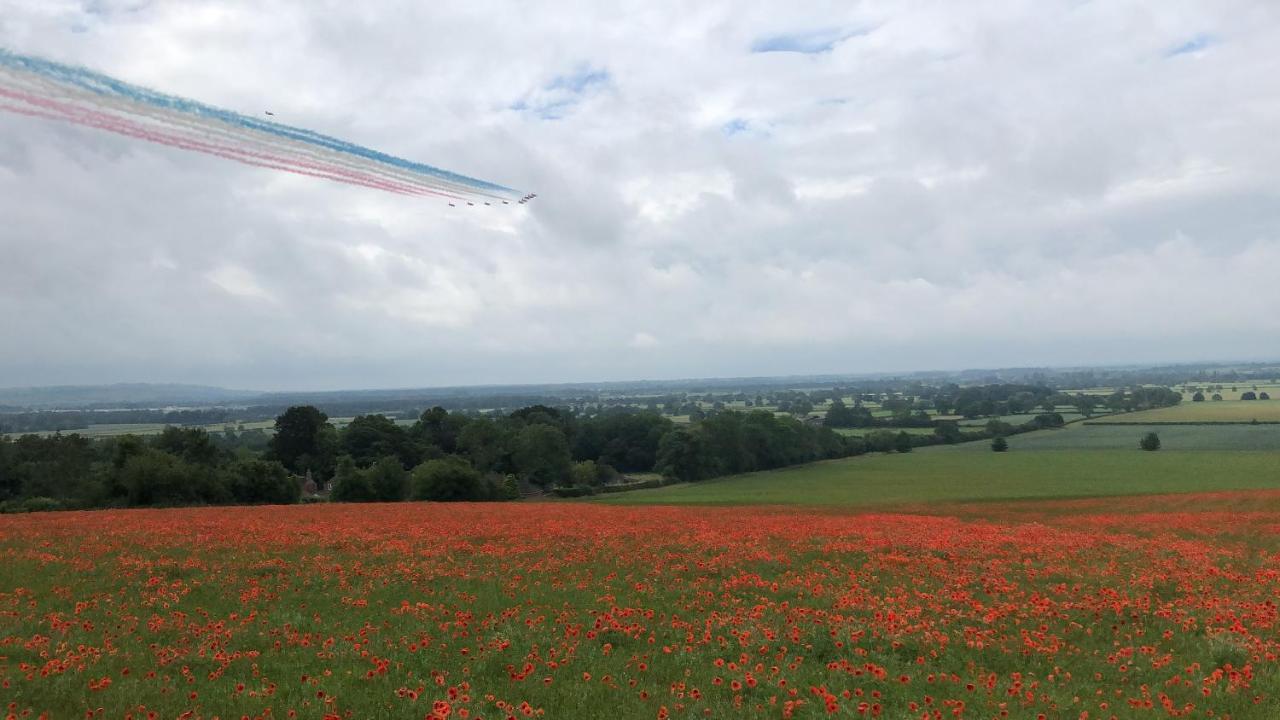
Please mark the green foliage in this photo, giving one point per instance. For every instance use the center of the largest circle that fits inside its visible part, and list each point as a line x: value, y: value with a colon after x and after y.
x: 304, y: 440
x: 584, y: 474
x: 1150, y: 442
x: 1198, y: 397
x: 154, y: 477
x: 902, y: 442
x: 261, y: 481
x: 387, y: 478
x: 999, y: 444
x: 542, y: 454
x: 350, y: 484
x: 448, y: 478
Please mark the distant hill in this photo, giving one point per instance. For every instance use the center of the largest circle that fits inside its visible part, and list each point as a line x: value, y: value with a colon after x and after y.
x: 120, y: 395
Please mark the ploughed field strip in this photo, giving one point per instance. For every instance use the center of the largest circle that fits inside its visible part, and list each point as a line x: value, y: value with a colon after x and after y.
x: 1080, y: 609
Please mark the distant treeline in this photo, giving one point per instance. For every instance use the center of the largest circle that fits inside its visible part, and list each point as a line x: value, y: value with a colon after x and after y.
x: 448, y: 455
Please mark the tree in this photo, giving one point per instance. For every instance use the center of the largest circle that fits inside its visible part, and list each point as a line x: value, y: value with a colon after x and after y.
x: 154, y: 477
x: 301, y: 442
x: 370, y: 437
x: 902, y: 442
x: 542, y: 455
x: 1150, y: 442
x: 682, y: 456
x: 448, y: 478
x: 1264, y: 395
x: 584, y: 474
x: 261, y: 481
x: 387, y: 479
x: 350, y: 484
x: 1248, y: 395
x: 1198, y: 397
x: 999, y: 444
x: 1217, y: 396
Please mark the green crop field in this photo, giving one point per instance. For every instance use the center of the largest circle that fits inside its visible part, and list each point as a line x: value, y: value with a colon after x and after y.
x: 1231, y: 392
x: 1082, y: 436
x: 957, y: 473
x: 1209, y: 411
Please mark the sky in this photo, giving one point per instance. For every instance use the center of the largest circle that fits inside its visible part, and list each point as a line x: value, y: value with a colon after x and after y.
x: 724, y: 189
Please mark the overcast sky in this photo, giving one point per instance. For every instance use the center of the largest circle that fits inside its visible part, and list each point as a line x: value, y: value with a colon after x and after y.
x: 725, y: 188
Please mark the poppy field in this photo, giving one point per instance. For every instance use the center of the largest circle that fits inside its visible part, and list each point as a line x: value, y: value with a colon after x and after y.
x: 1127, y: 608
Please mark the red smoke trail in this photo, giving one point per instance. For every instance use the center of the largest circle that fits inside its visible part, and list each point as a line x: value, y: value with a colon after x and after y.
x: 111, y: 123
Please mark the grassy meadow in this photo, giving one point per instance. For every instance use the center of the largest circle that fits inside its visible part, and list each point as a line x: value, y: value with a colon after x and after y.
x: 972, y: 472
x: 1209, y: 411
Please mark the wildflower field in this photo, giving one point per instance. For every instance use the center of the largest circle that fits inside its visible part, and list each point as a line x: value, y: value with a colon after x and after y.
x: 1160, y: 606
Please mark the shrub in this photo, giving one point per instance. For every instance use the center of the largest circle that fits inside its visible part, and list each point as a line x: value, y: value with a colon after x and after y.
x: 902, y: 442
x: 1198, y: 397
x: 574, y: 491
x: 999, y: 444
x: 1263, y: 395
x: 1150, y: 442
x: 449, y: 478
x: 1249, y: 395
x: 1217, y: 396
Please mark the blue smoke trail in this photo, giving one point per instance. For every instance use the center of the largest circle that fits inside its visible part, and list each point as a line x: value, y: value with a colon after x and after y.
x: 108, y: 86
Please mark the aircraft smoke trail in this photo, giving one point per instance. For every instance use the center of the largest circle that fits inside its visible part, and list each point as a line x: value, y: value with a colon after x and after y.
x: 35, y: 87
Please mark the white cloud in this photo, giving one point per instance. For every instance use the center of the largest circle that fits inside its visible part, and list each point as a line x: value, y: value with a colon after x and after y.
x: 993, y: 184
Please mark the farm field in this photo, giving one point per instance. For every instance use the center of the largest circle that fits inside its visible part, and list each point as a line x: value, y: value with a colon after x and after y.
x: 1083, y: 436
x: 958, y: 473
x: 1208, y: 411
x: 1072, y: 609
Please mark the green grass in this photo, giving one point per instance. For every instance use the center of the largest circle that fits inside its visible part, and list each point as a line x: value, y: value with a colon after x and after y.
x: 956, y: 474
x: 1208, y: 411
x: 1081, y: 436
x: 860, y: 432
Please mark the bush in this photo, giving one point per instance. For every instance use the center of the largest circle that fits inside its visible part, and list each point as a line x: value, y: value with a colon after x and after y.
x: 1263, y: 395
x: 575, y: 491
x: 258, y: 481
x: 31, y: 504
x: 449, y: 478
x: 1150, y: 442
x: 999, y: 444
x: 350, y: 484
x: 1249, y: 395
x: 1198, y: 397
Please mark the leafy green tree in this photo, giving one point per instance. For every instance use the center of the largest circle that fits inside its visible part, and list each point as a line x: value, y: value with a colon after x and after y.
x: 1248, y: 395
x: 304, y: 440
x: 542, y: 455
x: 584, y: 474
x: 193, y: 445
x: 387, y: 478
x: 999, y: 444
x: 902, y: 442
x: 446, y: 479
x: 1150, y: 442
x: 261, y: 481
x: 1198, y: 397
x: 350, y: 484
x: 368, y: 438
x: 154, y: 477
x: 1264, y: 396
x: 682, y: 456
x: 485, y: 442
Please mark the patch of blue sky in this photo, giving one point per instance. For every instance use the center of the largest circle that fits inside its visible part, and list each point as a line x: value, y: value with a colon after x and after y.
x: 1194, y: 45
x: 810, y: 42
x: 562, y: 93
